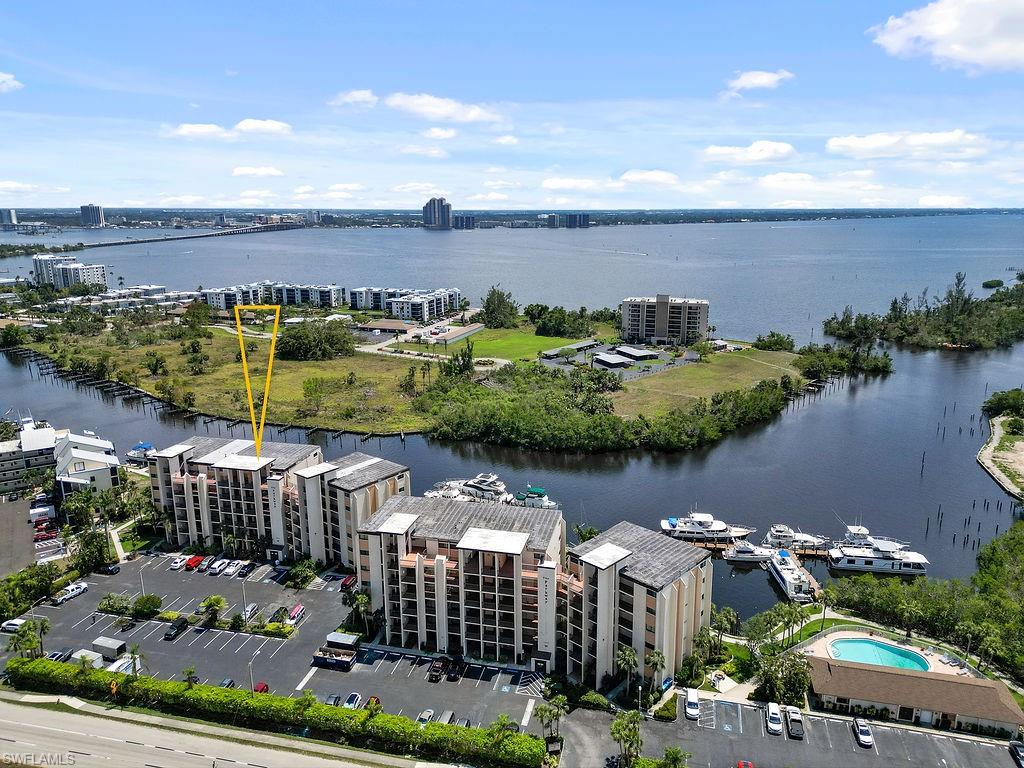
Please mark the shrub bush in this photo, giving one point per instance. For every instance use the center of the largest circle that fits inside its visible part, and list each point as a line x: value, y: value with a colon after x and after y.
x: 383, y: 732
x: 167, y: 615
x: 594, y: 700
x: 1015, y: 426
x: 146, y: 606
x: 667, y: 711
x: 115, y: 603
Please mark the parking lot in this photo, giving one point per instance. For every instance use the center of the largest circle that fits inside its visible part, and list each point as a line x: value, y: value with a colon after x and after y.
x: 398, y: 679
x: 16, y: 546
x: 728, y: 732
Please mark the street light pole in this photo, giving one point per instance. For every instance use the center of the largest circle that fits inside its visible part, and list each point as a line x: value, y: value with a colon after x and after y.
x: 142, y: 581
x: 252, y: 684
x: 244, y: 604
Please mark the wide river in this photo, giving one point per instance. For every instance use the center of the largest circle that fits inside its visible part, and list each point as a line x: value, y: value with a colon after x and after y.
x: 854, y: 453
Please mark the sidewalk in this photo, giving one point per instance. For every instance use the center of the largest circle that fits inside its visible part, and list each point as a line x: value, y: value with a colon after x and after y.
x: 255, y: 738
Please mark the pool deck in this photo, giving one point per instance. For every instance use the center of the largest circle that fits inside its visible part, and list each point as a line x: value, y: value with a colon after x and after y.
x: 821, y: 648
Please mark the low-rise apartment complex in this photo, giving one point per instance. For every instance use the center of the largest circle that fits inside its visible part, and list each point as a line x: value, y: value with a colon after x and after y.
x: 494, y: 581
x: 126, y: 299
x: 79, y: 461
x: 664, y: 319
x: 267, y: 292
x: 408, y: 303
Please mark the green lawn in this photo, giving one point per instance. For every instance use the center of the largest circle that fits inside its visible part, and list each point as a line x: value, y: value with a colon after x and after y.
x: 504, y: 343
x: 682, y: 384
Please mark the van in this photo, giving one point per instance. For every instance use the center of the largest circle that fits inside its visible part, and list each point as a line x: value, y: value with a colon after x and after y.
x: 692, y: 709
x: 446, y: 717
x: 176, y: 627
x: 250, y: 611
x: 12, y: 626
x: 296, y: 615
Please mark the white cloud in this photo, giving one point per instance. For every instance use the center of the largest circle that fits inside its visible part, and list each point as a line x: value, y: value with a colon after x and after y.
x: 416, y: 149
x: 970, y: 34
x: 508, y: 140
x: 557, y: 200
x: 305, y: 189
x: 877, y: 202
x: 182, y: 200
x: 756, y: 78
x: 756, y: 152
x: 133, y: 203
x: 257, y: 170
x: 955, y: 144
x: 8, y: 83
x: 201, y: 131
x: 496, y: 169
x: 231, y: 73
x: 257, y: 193
x: 792, y: 204
x: 16, y: 186
x: 942, y: 201
x: 361, y: 97
x: 419, y: 188
x: 252, y: 125
x: 489, y: 197
x: 338, y: 194
x: 439, y: 133
x: 439, y: 108
x: 501, y: 184
x: 636, y: 176
x: 346, y: 187
x: 556, y: 183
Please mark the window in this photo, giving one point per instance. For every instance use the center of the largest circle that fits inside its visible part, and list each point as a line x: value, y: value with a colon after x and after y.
x: 79, y: 466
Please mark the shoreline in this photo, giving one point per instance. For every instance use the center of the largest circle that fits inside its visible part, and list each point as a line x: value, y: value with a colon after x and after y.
x: 986, y: 458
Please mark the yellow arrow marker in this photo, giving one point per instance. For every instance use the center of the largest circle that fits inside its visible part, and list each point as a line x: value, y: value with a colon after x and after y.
x: 257, y: 428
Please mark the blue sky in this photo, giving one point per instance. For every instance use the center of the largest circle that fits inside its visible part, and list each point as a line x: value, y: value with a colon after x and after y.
x: 784, y: 103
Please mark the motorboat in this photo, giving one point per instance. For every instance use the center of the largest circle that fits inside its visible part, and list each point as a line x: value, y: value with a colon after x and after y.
x: 791, y: 577
x: 745, y: 552
x: 140, y: 452
x: 859, y: 551
x: 488, y: 487
x: 781, y: 535
x: 700, y: 526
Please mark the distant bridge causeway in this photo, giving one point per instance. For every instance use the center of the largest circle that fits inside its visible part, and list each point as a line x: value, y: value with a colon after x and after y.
x: 219, y: 233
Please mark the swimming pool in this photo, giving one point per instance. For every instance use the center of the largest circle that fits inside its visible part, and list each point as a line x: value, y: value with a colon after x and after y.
x: 866, y: 651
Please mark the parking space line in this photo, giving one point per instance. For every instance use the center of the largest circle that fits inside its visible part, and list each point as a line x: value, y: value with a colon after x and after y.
x: 231, y: 636
x: 154, y: 629
x: 215, y: 636
x: 167, y: 607
x: 80, y: 621
x: 529, y: 711
x: 267, y: 640
x: 497, y: 679
x: 303, y: 681
x: 141, y: 627
x: 184, y: 606
x: 197, y: 638
x: 280, y: 645
x: 247, y: 639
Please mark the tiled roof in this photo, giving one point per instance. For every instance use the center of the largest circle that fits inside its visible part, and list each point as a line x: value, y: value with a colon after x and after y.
x: 655, y: 559
x: 360, y: 469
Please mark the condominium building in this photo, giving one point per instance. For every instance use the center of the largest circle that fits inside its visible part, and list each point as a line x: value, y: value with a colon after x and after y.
x: 337, y: 497
x: 551, y: 220
x: 31, y: 449
x: 470, y: 578
x: 44, y: 266
x: 463, y: 221
x: 631, y: 586
x: 128, y: 298
x: 92, y: 216
x: 577, y: 220
x: 62, y: 270
x: 664, y: 319
x: 437, y: 214
x: 216, y: 492
x: 408, y: 303
x: 78, y: 460
x: 267, y: 292
x: 8, y: 216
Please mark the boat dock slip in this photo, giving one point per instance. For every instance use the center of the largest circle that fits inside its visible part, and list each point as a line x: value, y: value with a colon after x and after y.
x: 818, y: 553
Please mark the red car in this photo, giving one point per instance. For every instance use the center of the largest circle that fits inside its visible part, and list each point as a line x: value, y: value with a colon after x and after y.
x: 193, y: 562
x: 744, y: 764
x: 348, y: 582
x: 45, y: 536
x: 261, y: 687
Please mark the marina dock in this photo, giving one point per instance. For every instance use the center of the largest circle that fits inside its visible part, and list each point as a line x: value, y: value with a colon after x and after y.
x: 818, y: 553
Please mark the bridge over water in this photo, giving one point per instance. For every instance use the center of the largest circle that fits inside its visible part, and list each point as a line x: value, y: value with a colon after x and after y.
x: 219, y: 233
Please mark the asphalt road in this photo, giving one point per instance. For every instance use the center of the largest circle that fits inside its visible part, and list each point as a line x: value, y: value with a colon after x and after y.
x: 727, y: 733
x: 16, y: 548
x: 31, y: 736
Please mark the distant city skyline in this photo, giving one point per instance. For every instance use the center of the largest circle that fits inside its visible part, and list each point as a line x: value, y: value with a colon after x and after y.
x: 793, y: 105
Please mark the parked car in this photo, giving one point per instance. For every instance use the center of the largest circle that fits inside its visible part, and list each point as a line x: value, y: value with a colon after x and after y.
x: 456, y: 670
x: 250, y: 611
x: 794, y: 723
x: 334, y: 700
x: 62, y: 655
x: 773, y: 719
x: 45, y: 536
x: 218, y: 567
x: 371, y: 700
x: 425, y: 717
x: 744, y: 764
x: 227, y: 682
x: 175, y: 628
x: 178, y: 563
x: 692, y: 709
x: 233, y: 567
x: 193, y: 562
x: 353, y: 700
x: 862, y: 732
x: 205, y: 565
x: 1017, y: 752
x: 262, y: 687
x: 11, y: 625
x: 69, y: 592
x: 348, y: 582
x: 111, y: 569
x: 438, y: 669
x: 246, y: 569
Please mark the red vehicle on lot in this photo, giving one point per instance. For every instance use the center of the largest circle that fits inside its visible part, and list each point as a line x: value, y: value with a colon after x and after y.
x: 46, y: 525
x: 261, y: 687
x: 193, y: 562
x: 348, y: 582
x: 45, y: 536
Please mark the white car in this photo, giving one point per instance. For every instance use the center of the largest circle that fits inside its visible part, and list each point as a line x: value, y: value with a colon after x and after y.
x: 232, y: 569
x: 692, y: 704
x: 773, y: 719
x: 69, y: 592
x: 178, y: 563
x: 12, y: 626
x: 352, y: 702
x: 218, y: 567
x: 862, y: 732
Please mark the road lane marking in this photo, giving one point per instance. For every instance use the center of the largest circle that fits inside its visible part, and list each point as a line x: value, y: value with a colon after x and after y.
x: 529, y: 711
x: 303, y: 681
x: 75, y: 625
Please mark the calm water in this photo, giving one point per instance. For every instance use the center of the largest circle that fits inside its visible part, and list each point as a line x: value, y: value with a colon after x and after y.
x: 854, y: 452
x: 785, y: 275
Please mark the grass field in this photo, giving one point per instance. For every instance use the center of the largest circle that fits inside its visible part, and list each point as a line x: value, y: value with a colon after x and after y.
x: 681, y: 385
x: 373, y: 402
x: 505, y: 343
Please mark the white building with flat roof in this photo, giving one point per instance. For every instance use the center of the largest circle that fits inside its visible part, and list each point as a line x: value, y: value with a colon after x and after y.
x: 267, y: 292
x: 664, y: 319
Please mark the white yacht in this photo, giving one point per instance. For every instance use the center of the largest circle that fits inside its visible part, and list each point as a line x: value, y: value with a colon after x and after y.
x: 745, y: 552
x: 781, y: 535
x: 795, y: 582
x: 140, y: 452
x: 700, y: 526
x: 488, y: 487
x: 860, y: 551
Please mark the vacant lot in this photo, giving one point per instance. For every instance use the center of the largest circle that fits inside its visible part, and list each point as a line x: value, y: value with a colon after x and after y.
x: 507, y: 343
x: 679, y: 386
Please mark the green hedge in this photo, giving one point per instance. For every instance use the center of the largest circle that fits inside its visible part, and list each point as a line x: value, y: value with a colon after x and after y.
x: 382, y: 732
x: 667, y: 711
x: 594, y: 700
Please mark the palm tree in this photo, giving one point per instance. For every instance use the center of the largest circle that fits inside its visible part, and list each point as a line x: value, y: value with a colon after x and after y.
x: 138, y: 659
x: 42, y: 628
x: 545, y: 713
x: 703, y: 642
x: 425, y: 371
x: 189, y: 675
x: 828, y: 598
x: 725, y: 620
x: 560, y: 706
x: 24, y: 641
x: 626, y: 661
x: 625, y: 730
x: 499, y: 730
x: 213, y: 606
x: 373, y: 708
x: 656, y: 661
x: 362, y: 608
x: 675, y: 758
